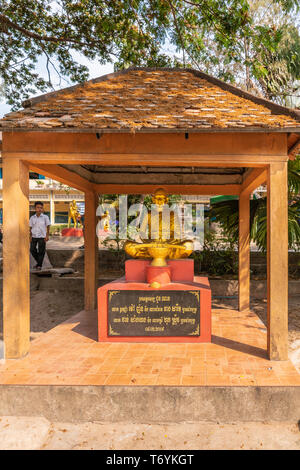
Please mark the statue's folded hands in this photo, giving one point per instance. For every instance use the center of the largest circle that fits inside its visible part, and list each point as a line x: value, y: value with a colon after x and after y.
x: 163, y: 244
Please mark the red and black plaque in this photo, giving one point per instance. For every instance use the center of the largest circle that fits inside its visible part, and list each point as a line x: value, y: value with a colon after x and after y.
x: 153, y: 313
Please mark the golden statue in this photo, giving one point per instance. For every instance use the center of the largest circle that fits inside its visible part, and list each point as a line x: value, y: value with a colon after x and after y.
x: 73, y: 214
x: 160, y: 248
x: 106, y: 226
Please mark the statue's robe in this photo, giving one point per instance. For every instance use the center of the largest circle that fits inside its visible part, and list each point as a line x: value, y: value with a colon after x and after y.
x: 160, y: 226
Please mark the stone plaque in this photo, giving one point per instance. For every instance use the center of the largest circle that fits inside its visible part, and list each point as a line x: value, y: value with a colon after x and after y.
x: 153, y: 313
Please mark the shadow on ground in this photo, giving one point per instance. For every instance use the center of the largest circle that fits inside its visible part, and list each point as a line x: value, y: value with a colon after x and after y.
x: 49, y: 308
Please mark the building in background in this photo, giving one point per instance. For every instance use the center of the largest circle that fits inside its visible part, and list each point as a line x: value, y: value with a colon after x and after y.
x: 55, y: 196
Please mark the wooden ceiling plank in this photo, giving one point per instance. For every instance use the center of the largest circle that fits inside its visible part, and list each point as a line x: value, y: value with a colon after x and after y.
x: 193, y: 189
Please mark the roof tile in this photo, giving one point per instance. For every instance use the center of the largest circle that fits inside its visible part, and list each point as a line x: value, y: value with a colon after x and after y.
x: 147, y: 99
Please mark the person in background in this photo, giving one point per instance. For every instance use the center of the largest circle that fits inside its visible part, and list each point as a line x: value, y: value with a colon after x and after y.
x: 39, y: 234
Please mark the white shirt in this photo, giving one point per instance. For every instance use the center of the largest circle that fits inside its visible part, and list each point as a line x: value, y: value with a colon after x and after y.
x: 39, y: 225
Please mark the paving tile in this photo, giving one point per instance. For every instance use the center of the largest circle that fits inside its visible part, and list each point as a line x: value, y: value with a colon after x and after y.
x: 192, y: 379
x: 168, y: 380
x: 121, y: 369
x: 140, y: 370
x: 289, y: 380
x: 119, y: 380
x: 95, y: 379
x: 140, y: 379
x: 217, y: 380
x: 16, y: 379
x: 235, y: 360
x: 246, y: 379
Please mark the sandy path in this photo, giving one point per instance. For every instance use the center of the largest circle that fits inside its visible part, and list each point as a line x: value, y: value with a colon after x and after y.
x: 38, y: 433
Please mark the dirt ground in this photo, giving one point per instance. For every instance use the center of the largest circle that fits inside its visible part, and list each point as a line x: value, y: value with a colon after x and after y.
x: 48, y: 309
x: 28, y: 433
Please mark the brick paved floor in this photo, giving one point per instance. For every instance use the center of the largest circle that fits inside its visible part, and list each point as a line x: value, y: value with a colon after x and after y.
x: 69, y: 354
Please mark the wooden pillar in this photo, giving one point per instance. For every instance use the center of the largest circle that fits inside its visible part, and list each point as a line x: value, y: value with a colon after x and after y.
x: 90, y: 251
x: 277, y: 260
x: 16, y: 286
x: 244, y: 251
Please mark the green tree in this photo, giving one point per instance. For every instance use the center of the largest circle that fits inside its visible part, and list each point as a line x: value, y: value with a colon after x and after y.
x: 226, y: 213
x: 125, y: 32
x: 267, y: 59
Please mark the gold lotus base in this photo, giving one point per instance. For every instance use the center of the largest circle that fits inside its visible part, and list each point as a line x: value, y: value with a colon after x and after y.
x: 159, y: 252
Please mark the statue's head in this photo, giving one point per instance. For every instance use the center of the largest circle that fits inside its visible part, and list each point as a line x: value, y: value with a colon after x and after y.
x: 160, y: 197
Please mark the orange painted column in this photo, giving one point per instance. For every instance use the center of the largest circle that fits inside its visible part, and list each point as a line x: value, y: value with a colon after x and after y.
x: 277, y: 259
x: 16, y: 286
x: 244, y: 251
x: 90, y: 251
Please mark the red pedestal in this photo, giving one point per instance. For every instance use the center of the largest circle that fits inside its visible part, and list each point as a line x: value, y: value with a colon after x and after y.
x: 160, y: 274
x: 182, y: 270
x: 72, y: 232
x: 135, y: 279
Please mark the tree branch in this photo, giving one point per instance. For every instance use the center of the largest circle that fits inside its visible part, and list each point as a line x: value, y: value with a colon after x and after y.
x: 38, y: 37
x: 179, y: 34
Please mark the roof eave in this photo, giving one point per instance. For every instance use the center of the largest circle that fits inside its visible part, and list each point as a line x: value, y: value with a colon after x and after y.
x: 282, y: 130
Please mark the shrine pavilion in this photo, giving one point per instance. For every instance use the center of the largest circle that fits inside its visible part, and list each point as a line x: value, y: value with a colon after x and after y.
x: 131, y: 132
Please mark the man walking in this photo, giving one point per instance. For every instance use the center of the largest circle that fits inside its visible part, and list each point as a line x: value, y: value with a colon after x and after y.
x: 39, y: 234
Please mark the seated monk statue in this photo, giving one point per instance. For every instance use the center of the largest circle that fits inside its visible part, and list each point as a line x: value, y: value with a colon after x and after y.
x: 161, y: 243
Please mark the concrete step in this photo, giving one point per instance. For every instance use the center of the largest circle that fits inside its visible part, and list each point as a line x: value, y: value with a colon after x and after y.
x: 152, y: 404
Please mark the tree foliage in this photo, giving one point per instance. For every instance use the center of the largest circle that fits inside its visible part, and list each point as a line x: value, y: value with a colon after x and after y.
x: 226, y: 213
x: 267, y: 56
x: 131, y: 32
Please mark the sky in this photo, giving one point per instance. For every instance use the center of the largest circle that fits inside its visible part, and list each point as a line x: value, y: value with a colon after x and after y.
x: 95, y: 70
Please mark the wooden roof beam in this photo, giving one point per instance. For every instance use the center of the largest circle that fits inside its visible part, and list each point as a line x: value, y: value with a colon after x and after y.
x: 253, y: 178
x: 62, y: 175
x: 133, y: 159
x: 294, y: 149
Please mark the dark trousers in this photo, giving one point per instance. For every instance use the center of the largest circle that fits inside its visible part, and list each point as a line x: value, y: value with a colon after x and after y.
x: 38, y: 249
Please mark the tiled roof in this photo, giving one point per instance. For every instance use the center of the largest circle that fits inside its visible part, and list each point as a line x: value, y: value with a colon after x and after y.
x: 151, y: 100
